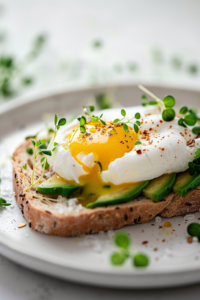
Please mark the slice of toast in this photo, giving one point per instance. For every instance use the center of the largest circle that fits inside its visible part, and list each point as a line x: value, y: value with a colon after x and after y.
x: 53, y: 218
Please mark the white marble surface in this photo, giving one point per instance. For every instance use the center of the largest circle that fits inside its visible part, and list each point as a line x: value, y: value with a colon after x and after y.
x: 129, y: 29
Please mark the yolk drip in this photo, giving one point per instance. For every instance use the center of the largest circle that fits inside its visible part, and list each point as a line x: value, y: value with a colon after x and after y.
x: 107, y: 143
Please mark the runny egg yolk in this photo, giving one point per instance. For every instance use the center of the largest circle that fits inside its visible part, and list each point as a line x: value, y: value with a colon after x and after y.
x: 107, y: 143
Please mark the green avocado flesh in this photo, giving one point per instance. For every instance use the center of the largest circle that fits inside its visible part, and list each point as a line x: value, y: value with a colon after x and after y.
x: 121, y: 196
x: 185, y: 183
x: 57, y: 186
x: 160, y: 187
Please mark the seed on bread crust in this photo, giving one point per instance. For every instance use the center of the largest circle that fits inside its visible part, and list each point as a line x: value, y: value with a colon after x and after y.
x: 190, y: 143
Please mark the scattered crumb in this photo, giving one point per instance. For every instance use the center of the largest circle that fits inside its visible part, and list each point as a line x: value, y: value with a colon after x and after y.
x: 20, y: 225
x: 190, y: 239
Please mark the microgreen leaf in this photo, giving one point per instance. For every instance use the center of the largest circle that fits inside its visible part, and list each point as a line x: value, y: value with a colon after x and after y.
x: 31, y: 137
x: 55, y: 119
x: 196, y: 130
x: 138, y: 123
x: 122, y: 240
x: 115, y: 121
x: 168, y: 114
x: 82, y: 129
x: 169, y: 101
x: 103, y: 101
x: 43, y: 159
x: 4, y: 203
x: 24, y: 166
x: 190, y: 119
x: 50, y: 130
x: 193, y: 229
x: 125, y: 127
x: 100, y: 165
x: 137, y: 115
x: 62, y: 122
x: 123, y: 112
x: 46, y: 152
x: 197, y: 154
x: 118, y: 258
x: 42, y: 146
x: 82, y: 121
x: 140, y: 260
x: 91, y: 107
x: 33, y: 142
x: 136, y: 128
x: 181, y: 122
x: 29, y: 151
x: 137, y: 143
x: 104, y: 123
x: 183, y: 110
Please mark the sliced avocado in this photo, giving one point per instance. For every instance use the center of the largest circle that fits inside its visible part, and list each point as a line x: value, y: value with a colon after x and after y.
x: 160, y: 187
x: 121, y: 196
x: 185, y: 183
x: 57, y: 186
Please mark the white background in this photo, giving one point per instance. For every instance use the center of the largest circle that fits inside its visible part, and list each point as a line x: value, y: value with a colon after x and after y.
x: 131, y: 31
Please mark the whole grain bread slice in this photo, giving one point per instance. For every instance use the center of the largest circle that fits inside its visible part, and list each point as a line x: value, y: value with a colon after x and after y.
x: 52, y: 218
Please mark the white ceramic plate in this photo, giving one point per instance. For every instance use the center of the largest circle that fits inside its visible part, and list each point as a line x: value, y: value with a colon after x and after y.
x: 86, y: 259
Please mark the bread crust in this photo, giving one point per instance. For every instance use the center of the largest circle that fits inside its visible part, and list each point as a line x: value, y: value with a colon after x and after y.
x: 45, y: 217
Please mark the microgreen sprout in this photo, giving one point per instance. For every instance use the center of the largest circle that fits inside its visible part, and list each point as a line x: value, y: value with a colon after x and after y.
x: 123, y: 242
x: 136, y: 123
x: 92, y: 118
x: 168, y: 113
x: 189, y: 117
x: 47, y: 152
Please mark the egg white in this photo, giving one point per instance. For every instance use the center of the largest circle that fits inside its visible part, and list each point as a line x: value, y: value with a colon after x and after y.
x: 132, y: 167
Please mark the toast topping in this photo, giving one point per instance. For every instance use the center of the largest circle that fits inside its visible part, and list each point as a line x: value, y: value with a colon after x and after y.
x: 190, y: 143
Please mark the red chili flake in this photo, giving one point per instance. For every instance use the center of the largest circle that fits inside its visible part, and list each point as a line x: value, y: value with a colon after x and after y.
x: 127, y: 146
x: 144, y: 150
x: 144, y: 242
x: 87, y: 134
x: 121, y: 142
x: 91, y: 138
x: 83, y: 136
x: 173, y: 230
x: 161, y: 121
x: 160, y: 227
x: 157, y: 125
x: 109, y: 134
x: 151, y: 142
x: 170, y: 126
x: 143, y: 137
x: 152, y: 224
x: 155, y: 249
x: 150, y: 129
x: 163, y: 240
x: 139, y: 151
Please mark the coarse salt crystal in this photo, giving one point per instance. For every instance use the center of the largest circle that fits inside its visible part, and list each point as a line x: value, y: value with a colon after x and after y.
x: 189, y: 217
x: 158, y: 219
